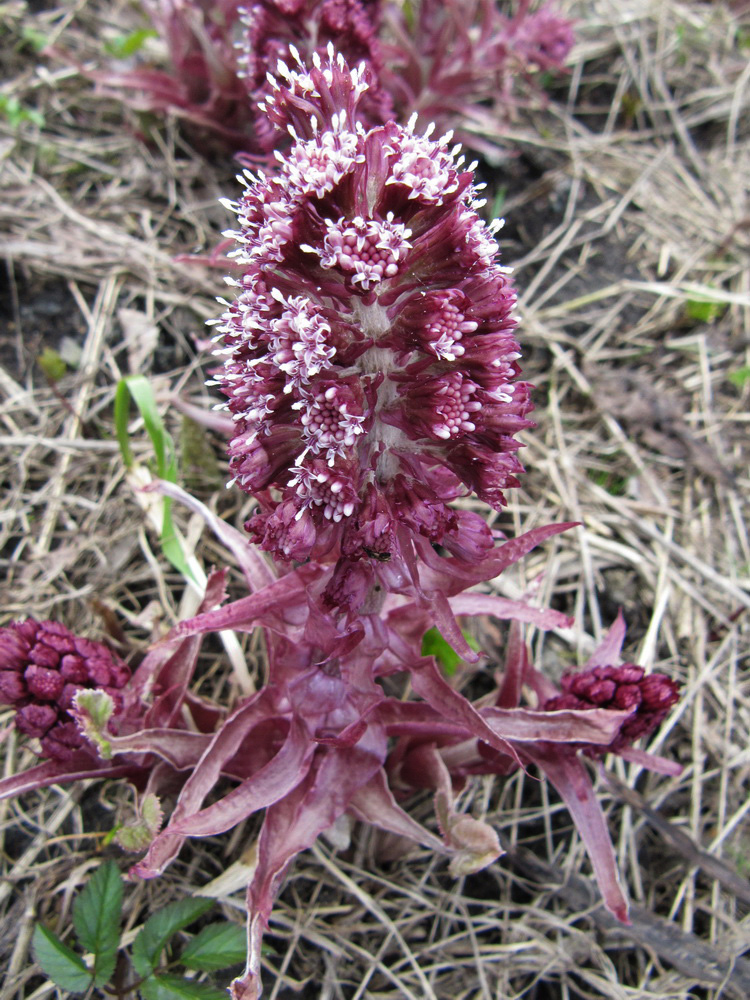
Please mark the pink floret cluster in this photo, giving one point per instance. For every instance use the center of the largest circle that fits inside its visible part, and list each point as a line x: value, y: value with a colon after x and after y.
x: 270, y: 28
x: 370, y: 362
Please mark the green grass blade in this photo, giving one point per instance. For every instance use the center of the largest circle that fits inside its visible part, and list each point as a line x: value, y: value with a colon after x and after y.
x: 122, y: 412
x: 138, y: 388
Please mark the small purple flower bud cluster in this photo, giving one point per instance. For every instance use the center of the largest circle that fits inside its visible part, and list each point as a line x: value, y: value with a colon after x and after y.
x: 650, y: 696
x: 42, y: 667
x: 370, y: 362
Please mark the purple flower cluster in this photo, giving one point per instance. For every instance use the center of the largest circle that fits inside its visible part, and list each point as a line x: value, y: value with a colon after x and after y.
x: 461, y: 63
x: 647, y: 697
x: 539, y: 39
x: 42, y: 668
x: 370, y: 363
x: 274, y: 27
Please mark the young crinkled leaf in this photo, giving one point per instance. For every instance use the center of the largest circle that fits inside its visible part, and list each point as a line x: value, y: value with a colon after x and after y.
x: 138, y: 835
x: 96, y: 918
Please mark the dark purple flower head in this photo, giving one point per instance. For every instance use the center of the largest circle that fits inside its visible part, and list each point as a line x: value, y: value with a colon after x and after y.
x: 541, y: 40
x: 370, y: 362
x: 275, y: 30
x: 648, y: 696
x: 42, y: 667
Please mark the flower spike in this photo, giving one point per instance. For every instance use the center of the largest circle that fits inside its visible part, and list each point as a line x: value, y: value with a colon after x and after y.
x: 369, y: 360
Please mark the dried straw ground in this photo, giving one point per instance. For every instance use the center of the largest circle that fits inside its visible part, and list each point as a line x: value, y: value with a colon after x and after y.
x: 627, y: 208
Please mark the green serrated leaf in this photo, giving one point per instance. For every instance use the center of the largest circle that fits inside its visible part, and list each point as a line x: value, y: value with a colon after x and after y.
x: 96, y: 918
x: 169, y: 987
x: 216, y: 947
x: 94, y: 710
x: 66, y: 969
x: 160, y: 927
x: 138, y: 835
x: 152, y: 812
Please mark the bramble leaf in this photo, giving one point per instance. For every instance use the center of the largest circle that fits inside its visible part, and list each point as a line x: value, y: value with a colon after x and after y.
x: 96, y: 918
x: 138, y: 835
x: 92, y: 711
x: 216, y: 947
x: 66, y: 969
x: 160, y: 927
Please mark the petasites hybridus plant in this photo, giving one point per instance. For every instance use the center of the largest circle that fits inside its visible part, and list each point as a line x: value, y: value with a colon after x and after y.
x: 323, y: 739
x: 371, y: 374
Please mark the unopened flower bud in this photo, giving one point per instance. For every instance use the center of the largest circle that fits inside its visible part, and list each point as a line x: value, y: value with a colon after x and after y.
x: 626, y: 687
x: 42, y: 667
